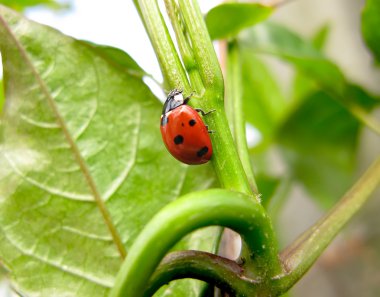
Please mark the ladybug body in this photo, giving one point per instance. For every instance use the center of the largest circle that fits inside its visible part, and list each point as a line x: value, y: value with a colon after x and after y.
x: 183, y: 131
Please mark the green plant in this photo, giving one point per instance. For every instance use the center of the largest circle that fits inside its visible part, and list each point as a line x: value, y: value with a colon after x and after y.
x: 83, y: 169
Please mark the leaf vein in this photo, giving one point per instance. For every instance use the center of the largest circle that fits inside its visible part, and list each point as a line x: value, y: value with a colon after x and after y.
x: 124, y: 174
x: 53, y: 191
x: 65, y: 268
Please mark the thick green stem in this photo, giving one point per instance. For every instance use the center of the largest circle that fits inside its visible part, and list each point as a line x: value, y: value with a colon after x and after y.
x: 184, y: 45
x: 196, y: 210
x: 301, y: 255
x: 225, y: 274
x: 234, y: 87
x: 204, y: 53
x: 170, y: 63
x: 225, y: 159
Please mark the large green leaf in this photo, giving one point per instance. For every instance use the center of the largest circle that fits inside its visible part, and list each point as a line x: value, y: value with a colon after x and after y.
x: 78, y: 126
x: 371, y: 25
x: 228, y: 19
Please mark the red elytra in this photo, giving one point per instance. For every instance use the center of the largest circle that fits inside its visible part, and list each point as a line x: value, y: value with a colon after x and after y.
x: 183, y: 131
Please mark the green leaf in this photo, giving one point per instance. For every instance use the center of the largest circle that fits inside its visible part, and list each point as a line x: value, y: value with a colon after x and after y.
x: 303, y: 85
x: 357, y: 96
x: 117, y: 57
x: 78, y: 126
x: 267, y: 185
x: 320, y: 37
x: 371, y: 25
x: 320, y: 141
x: 275, y: 39
x: 228, y: 19
x: 263, y: 102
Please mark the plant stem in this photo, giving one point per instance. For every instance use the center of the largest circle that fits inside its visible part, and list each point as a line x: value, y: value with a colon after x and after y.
x: 225, y: 274
x: 234, y: 87
x: 170, y: 63
x: 365, y: 118
x: 204, y: 54
x: 225, y: 160
x: 196, y: 210
x: 184, y: 45
x: 301, y: 255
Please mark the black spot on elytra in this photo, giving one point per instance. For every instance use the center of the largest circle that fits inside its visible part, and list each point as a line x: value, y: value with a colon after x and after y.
x: 192, y: 122
x: 178, y: 139
x: 203, y: 151
x: 183, y: 125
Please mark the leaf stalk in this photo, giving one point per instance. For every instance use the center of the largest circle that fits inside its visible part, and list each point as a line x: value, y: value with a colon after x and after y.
x: 300, y: 255
x: 234, y: 89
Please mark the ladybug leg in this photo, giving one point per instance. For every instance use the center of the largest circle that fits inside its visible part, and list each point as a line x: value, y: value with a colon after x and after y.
x: 209, y: 131
x: 204, y: 113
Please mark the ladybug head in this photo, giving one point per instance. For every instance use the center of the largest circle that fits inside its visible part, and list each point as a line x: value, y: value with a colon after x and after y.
x: 176, y: 95
x: 174, y: 99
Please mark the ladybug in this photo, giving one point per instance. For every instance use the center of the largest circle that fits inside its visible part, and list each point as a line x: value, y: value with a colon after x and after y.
x: 183, y: 131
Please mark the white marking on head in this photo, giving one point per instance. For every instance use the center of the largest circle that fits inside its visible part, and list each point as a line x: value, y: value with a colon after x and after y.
x: 178, y: 97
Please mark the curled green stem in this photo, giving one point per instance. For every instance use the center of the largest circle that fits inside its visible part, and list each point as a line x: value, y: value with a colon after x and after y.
x: 193, y: 211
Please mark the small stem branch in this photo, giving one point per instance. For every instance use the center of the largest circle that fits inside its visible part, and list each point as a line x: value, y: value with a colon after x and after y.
x: 234, y: 88
x: 365, y: 118
x: 300, y: 255
x: 170, y: 64
x: 204, y: 53
x: 196, y: 210
x: 184, y: 45
x: 225, y: 274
